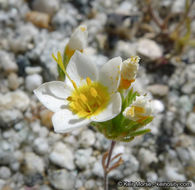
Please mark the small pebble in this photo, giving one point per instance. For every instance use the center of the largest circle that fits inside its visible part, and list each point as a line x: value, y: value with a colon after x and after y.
x: 33, y: 81
x: 5, y: 172
x: 13, y: 81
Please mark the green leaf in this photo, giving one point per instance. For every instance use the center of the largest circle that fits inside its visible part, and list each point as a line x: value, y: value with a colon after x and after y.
x: 61, y: 74
x: 133, y: 125
x: 187, y: 6
x: 141, y: 132
x: 126, y: 139
x: 191, y: 43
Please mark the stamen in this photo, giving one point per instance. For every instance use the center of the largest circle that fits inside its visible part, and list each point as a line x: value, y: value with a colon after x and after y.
x: 85, y: 101
x: 70, y: 98
x: 139, y: 109
x: 60, y: 63
x: 131, y: 111
x: 88, y: 80
x: 93, y: 92
x: 82, y: 28
x: 83, y: 98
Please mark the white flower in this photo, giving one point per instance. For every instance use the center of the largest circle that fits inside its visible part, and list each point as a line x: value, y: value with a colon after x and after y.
x: 129, y: 71
x: 140, y: 109
x: 88, y: 94
x: 78, y: 41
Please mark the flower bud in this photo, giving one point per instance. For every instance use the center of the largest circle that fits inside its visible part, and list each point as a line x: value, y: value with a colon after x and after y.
x: 129, y: 71
x: 78, y: 41
x: 139, y: 110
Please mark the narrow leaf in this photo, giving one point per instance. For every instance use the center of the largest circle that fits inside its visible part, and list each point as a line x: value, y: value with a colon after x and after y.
x: 116, y: 165
x: 60, y: 63
x: 141, y: 132
x: 116, y: 156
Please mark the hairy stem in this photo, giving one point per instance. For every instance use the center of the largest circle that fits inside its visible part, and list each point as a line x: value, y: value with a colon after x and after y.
x: 107, y: 165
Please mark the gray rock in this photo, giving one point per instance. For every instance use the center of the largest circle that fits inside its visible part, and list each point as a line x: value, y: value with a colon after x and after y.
x: 125, y: 49
x: 15, y: 166
x: 13, y: 81
x: 188, y: 88
x: 158, y: 89
x: 101, y: 143
x: 62, y: 179
x: 152, y: 176
x: 184, y: 103
x: 183, y: 154
x: 178, y: 6
x: 9, y: 117
x: 33, y: 81
x: 45, y: 6
x: 41, y: 146
x: 65, y: 18
x: 33, y: 70
x: 82, y: 158
x: 130, y: 165
x: 33, y: 163
x: 126, y: 7
x: 87, y: 138
x: 21, y: 40
x: 172, y: 174
x: 6, y: 157
x: 5, y: 172
x: 146, y: 157
x: 90, y: 184
x: 190, y: 72
x: 14, y: 100
x: 2, y: 183
x: 33, y: 179
x: 153, y: 51
x: 52, y: 44
x: 157, y: 106
x: 45, y: 187
x: 191, y: 122
x: 62, y: 156
x: 97, y: 169
x: 95, y: 25
x: 7, y: 62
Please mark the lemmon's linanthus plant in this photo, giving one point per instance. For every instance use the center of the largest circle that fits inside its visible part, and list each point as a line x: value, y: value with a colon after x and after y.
x: 102, y: 97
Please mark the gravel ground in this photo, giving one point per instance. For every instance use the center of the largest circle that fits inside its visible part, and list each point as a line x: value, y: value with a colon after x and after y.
x: 32, y: 156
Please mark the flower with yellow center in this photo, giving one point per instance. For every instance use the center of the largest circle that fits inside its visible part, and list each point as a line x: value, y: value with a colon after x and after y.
x: 139, y: 110
x: 78, y: 41
x: 129, y: 71
x: 87, y: 94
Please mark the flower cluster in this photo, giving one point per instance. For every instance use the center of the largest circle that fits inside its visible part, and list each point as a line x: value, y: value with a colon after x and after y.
x: 96, y: 96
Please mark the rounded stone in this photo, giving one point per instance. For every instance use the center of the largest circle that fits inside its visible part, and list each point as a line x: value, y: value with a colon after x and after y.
x: 33, y: 81
x: 13, y: 81
x: 191, y: 122
x: 5, y: 172
x: 87, y: 138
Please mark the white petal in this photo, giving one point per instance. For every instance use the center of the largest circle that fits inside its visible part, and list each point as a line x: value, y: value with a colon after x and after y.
x: 65, y: 121
x: 80, y: 67
x: 110, y: 74
x: 78, y: 40
x: 53, y: 95
x: 111, y: 111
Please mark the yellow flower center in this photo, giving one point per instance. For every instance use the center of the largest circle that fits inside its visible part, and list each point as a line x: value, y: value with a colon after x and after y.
x: 82, y: 28
x: 89, y: 99
x: 136, y: 111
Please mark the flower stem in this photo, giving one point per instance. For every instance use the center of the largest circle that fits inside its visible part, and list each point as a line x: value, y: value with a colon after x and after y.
x: 107, y: 165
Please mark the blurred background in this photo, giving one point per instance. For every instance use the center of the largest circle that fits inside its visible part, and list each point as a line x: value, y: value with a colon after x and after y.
x: 32, y: 156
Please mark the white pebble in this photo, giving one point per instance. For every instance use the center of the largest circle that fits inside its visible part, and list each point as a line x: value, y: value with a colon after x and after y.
x: 33, y: 81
